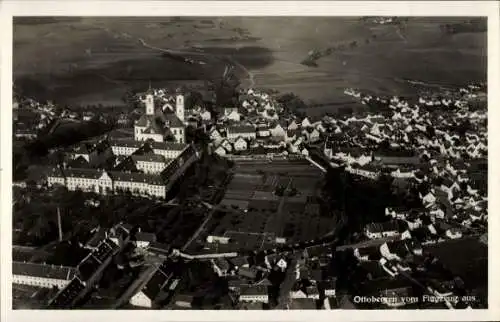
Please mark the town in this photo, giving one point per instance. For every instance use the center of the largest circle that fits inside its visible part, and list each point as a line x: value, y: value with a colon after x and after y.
x: 178, y: 204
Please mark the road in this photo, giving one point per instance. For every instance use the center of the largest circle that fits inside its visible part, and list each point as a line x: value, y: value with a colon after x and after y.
x: 200, y: 229
x: 286, y: 286
x: 368, y: 243
x: 250, y: 75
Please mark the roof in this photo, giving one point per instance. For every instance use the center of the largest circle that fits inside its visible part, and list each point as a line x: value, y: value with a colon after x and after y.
x: 56, y: 172
x: 79, y: 162
x: 252, y: 290
x: 247, y: 272
x: 168, y: 146
x: 155, y: 284
x: 221, y: 263
x: 145, y: 119
x: 398, y: 247
x: 238, y: 261
x: 143, y: 236
x: 149, y: 158
x: 43, y: 270
x: 126, y: 143
x: 173, y: 121
x: 136, y: 177
x: 384, y: 226
x: 83, y: 149
x: 68, y: 294
x: 241, y: 129
x: 83, y: 173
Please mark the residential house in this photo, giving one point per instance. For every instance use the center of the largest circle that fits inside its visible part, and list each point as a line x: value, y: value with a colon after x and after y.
x: 234, y: 116
x: 277, y: 131
x: 157, y: 278
x: 245, y: 131
x: 306, y: 123
x: 215, y: 136
x: 254, y: 293
x: 221, y: 266
x: 143, y: 239
x: 453, y: 233
x: 293, y: 126
x: 384, y: 229
x: 240, y: 144
x: 330, y: 287
x: 263, y: 131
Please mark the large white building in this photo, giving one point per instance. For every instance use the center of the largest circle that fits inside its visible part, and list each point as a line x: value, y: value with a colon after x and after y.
x: 125, y: 147
x: 103, y: 182
x: 41, y: 275
x: 151, y: 163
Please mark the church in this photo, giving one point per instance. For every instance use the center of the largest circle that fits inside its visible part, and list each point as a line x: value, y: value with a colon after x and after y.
x: 163, y: 124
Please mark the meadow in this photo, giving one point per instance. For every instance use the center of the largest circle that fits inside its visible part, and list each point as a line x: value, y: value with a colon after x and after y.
x: 91, y: 60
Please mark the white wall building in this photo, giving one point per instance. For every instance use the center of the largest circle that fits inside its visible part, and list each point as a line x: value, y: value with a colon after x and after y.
x: 41, y: 275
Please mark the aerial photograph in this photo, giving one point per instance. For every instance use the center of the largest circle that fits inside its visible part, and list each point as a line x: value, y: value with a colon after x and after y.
x: 249, y: 163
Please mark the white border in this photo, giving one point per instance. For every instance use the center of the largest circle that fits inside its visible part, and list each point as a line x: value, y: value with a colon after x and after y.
x: 255, y: 8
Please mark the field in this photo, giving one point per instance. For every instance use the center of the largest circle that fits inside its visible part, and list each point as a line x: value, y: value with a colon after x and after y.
x: 93, y: 60
x: 252, y: 214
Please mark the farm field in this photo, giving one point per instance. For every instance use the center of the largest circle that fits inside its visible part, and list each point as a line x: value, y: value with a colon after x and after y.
x: 95, y: 60
x: 253, y: 215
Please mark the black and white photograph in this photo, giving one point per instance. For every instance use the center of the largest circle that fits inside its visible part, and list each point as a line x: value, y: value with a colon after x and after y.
x: 234, y: 162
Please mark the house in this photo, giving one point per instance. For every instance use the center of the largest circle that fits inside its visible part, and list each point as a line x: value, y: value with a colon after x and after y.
x: 281, y: 264
x: 221, y: 266
x: 206, y: 115
x: 245, y: 131
x: 313, y: 136
x: 406, y: 235
x: 290, y: 135
x: 215, y: 135
x: 384, y: 229
x: 453, y: 233
x: 330, y: 287
x: 240, y: 144
x: 300, y: 291
x: 306, y: 123
x: 263, y: 131
x: 157, y: 278
x: 394, y: 250
x: 229, y: 110
x: 293, y: 126
x: 220, y: 151
x: 254, y: 293
x: 277, y: 131
x: 143, y: 239
x: 238, y: 262
x: 42, y: 275
x: 183, y: 300
x: 234, y: 116
x: 367, y: 253
x: 247, y: 272
x: 429, y: 199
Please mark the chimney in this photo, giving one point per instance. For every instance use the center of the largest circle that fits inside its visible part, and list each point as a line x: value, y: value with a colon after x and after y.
x: 59, y: 224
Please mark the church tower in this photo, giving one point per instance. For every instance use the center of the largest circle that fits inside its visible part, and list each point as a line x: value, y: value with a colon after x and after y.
x: 150, y: 104
x: 179, y: 106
